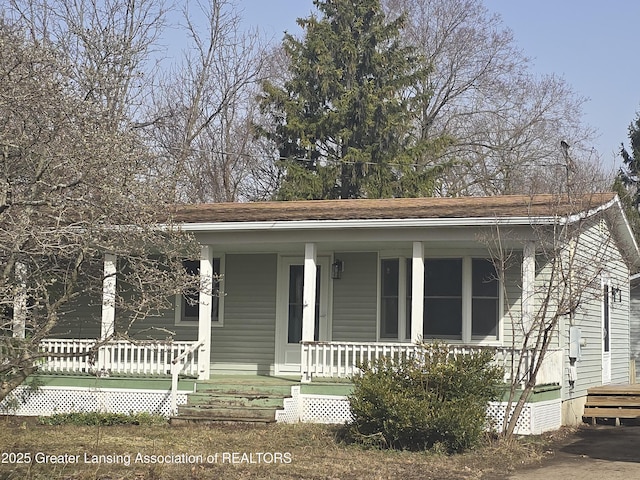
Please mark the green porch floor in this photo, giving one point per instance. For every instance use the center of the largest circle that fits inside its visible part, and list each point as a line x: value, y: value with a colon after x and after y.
x: 90, y: 381
x: 317, y: 387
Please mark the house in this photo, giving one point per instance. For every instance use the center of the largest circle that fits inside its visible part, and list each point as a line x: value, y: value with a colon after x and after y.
x: 307, y: 289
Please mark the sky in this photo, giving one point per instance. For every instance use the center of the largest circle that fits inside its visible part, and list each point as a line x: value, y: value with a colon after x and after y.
x: 589, y: 43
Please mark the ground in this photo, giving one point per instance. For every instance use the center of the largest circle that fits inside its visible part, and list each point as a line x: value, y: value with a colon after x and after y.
x: 590, y: 453
x: 299, y: 451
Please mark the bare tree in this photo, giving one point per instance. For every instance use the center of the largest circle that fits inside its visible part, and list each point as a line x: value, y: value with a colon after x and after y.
x: 110, y: 46
x: 71, y: 191
x: 564, y: 262
x: 500, y: 125
x: 207, y: 104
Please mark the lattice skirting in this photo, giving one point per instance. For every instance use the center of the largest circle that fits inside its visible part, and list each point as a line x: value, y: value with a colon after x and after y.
x: 52, y: 400
x: 536, y: 418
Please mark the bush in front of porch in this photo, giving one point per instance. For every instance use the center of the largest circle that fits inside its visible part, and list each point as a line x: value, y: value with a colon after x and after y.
x: 432, y: 399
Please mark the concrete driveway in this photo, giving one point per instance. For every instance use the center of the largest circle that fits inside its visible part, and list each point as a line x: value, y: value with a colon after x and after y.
x: 599, y: 452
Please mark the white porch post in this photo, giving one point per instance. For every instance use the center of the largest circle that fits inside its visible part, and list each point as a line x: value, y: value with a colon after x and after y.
x: 309, y: 293
x: 204, y: 312
x: 528, y: 284
x: 107, y: 325
x: 20, y: 302
x: 308, y: 306
x: 417, y: 291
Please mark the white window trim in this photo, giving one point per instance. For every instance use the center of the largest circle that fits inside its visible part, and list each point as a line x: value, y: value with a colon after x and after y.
x: 180, y: 321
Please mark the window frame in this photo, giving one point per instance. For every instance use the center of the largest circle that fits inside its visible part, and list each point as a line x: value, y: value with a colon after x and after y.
x: 179, y: 301
x: 404, y: 287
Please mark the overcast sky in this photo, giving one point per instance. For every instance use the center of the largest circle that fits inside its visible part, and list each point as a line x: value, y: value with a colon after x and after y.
x: 590, y: 43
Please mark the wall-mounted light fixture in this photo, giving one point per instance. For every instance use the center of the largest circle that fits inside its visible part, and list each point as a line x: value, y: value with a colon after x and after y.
x: 337, y: 267
x: 616, y: 294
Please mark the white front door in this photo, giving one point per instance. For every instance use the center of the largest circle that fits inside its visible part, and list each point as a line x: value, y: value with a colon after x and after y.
x: 290, y: 306
x: 606, y: 333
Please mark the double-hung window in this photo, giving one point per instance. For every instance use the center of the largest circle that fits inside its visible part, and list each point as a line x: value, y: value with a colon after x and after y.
x: 188, y: 303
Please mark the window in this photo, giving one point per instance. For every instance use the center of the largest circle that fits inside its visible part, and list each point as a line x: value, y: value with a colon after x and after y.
x: 188, y: 304
x: 443, y: 298
x: 461, y: 299
x: 485, y: 300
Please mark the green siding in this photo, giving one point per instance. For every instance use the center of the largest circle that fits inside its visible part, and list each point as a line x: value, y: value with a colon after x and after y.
x: 598, y: 252
x: 355, y: 298
x: 82, y: 319
x: 246, y: 342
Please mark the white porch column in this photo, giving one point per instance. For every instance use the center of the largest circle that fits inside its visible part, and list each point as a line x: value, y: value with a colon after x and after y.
x: 528, y: 284
x: 309, y: 292
x: 20, y: 302
x: 107, y: 324
x: 204, y: 312
x: 417, y: 291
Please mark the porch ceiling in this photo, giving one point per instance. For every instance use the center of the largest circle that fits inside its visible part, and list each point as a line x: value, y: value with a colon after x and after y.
x: 355, y: 240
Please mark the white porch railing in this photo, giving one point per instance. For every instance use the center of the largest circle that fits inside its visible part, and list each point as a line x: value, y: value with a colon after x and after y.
x: 178, y: 365
x: 340, y: 359
x: 117, y: 356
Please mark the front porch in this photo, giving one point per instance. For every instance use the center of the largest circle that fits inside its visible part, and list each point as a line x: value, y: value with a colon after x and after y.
x: 161, y: 378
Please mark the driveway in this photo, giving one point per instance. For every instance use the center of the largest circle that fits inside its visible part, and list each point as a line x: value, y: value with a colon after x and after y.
x: 600, y: 452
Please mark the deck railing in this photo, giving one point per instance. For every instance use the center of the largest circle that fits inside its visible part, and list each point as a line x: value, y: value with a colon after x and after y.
x: 341, y: 359
x: 115, y: 357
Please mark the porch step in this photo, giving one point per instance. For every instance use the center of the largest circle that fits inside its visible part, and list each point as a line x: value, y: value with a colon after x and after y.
x: 246, y: 400
x: 613, y: 403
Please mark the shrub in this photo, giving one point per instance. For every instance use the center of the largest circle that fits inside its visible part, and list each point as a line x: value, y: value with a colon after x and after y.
x: 425, y: 400
x: 102, y: 418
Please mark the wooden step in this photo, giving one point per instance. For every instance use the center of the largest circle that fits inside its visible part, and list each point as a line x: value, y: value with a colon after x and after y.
x: 614, y: 402
x: 229, y: 413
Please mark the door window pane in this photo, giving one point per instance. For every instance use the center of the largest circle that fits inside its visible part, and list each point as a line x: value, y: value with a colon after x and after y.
x: 296, y: 304
x: 443, y: 298
x: 389, y: 298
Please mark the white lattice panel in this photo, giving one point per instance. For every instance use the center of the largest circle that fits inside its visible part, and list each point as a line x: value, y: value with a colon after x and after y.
x: 52, y: 400
x: 325, y: 409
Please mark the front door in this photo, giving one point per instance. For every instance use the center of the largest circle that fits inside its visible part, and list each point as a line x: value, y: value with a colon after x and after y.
x: 291, y: 305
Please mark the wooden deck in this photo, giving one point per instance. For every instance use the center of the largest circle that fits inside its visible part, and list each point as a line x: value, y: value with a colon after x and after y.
x: 612, y: 403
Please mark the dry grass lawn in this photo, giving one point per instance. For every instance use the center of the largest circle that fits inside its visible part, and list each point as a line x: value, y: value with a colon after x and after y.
x: 235, y: 452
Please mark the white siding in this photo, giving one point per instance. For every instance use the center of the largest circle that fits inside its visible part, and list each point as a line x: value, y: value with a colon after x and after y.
x: 635, y: 321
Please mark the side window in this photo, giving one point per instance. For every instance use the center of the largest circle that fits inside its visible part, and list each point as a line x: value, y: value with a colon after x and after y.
x: 485, y: 300
x: 188, y: 304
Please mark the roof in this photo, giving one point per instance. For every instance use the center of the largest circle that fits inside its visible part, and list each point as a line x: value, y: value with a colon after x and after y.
x: 503, y: 206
